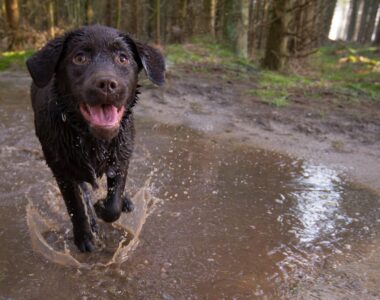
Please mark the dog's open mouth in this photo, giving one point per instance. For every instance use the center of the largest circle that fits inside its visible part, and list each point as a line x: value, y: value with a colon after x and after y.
x: 103, y: 115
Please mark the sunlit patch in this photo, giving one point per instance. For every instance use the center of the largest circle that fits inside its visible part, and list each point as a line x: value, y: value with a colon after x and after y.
x: 318, y: 204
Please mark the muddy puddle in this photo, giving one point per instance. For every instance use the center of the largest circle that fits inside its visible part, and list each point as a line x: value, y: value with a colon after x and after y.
x: 230, y: 222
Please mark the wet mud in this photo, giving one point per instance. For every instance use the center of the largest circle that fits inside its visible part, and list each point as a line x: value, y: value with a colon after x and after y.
x: 230, y: 222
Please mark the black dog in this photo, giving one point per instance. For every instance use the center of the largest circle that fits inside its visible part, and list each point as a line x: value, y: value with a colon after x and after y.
x: 84, y: 88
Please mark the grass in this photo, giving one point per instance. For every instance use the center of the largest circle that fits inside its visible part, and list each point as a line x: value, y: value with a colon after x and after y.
x: 346, y: 72
x: 353, y: 71
x: 14, y: 58
x: 275, y: 88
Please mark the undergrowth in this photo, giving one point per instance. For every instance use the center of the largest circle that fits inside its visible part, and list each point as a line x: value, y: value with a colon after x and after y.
x: 14, y: 59
x: 344, y: 72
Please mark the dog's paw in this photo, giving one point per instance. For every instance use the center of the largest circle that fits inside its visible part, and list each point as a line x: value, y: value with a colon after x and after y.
x: 108, y: 214
x: 127, y: 204
x: 84, y: 241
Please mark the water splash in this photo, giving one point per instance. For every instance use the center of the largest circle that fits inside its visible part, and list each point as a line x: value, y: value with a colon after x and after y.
x: 49, y: 229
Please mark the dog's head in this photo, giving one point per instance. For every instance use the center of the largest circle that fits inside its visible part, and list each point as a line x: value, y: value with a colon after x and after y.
x: 96, y: 70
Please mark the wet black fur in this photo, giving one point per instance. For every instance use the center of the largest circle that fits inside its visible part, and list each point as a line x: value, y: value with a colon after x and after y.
x: 74, y: 154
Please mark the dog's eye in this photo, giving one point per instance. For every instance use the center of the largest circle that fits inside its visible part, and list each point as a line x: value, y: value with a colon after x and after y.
x: 80, y: 59
x: 122, y: 59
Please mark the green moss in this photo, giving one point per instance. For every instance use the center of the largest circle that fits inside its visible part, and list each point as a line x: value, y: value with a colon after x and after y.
x: 17, y: 58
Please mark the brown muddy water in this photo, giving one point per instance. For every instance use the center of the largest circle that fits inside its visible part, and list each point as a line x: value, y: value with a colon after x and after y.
x: 229, y: 222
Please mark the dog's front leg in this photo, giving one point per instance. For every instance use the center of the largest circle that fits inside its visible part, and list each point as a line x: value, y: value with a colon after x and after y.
x: 110, y: 208
x: 76, y: 208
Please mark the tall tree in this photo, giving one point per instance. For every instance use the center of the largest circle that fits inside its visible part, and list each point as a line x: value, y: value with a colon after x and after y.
x: 158, y: 22
x: 13, y: 18
x: 108, y: 13
x: 133, y: 22
x: 213, y: 17
x: 377, y: 35
x: 364, y: 20
x: 251, y: 29
x: 371, y: 20
x: 328, y: 7
x: 51, y: 21
x: 89, y: 12
x: 118, y: 13
x: 352, y: 24
x: 276, y: 53
x: 242, y: 27
x: 264, y: 17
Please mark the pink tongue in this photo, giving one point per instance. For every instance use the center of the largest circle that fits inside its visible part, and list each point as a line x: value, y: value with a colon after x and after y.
x: 104, y: 115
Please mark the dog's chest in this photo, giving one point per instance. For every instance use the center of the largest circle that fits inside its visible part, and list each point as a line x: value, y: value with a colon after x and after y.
x: 97, y: 155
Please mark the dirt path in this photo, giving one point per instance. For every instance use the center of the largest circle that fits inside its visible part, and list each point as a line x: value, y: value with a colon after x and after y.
x: 342, y: 135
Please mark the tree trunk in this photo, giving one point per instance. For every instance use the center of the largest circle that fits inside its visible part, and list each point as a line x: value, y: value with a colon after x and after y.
x: 2, y: 12
x: 134, y: 26
x: 364, y: 20
x: 219, y: 19
x: 213, y: 17
x: 51, y: 21
x: 297, y: 28
x: 13, y: 18
x: 158, y: 22
x: 377, y: 36
x: 277, y: 42
x: 187, y: 12
x: 242, y: 28
x: 308, y: 35
x: 352, y: 25
x: 118, y: 14
x: 89, y: 12
x: 251, y: 29
x: 371, y: 20
x: 328, y: 15
x: 25, y: 12
x: 108, y: 13
x: 264, y: 19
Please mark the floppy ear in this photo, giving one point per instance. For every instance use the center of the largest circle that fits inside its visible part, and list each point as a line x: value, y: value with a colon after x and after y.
x: 42, y: 64
x: 153, y: 63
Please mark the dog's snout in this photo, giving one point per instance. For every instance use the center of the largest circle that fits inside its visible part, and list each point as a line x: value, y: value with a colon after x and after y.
x: 107, y: 85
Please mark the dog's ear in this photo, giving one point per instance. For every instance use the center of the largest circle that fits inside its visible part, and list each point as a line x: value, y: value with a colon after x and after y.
x: 152, y: 61
x: 42, y: 64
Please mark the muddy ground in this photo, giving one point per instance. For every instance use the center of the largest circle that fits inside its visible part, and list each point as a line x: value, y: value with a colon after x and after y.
x: 343, y: 135
x: 236, y: 221
x: 317, y: 125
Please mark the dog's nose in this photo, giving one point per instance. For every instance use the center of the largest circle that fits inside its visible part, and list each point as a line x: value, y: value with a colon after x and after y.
x: 106, y: 85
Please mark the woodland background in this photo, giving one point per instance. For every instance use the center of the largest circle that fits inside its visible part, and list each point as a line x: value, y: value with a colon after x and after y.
x: 268, y: 32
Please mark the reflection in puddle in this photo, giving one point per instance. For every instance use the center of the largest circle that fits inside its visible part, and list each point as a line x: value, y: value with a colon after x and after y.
x: 317, y: 204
